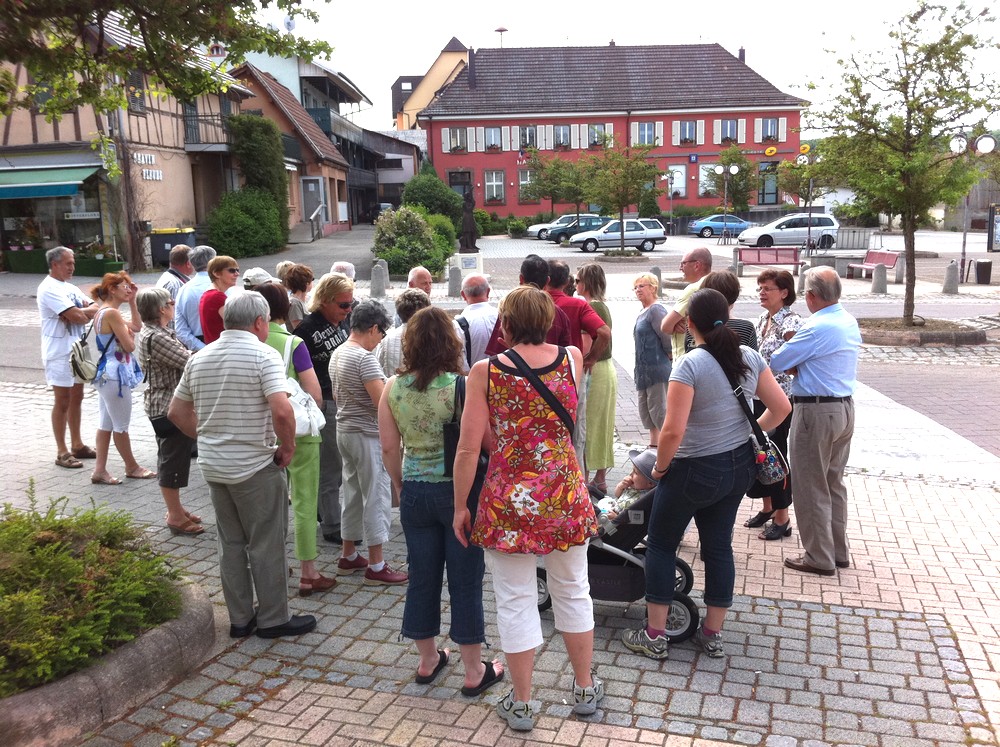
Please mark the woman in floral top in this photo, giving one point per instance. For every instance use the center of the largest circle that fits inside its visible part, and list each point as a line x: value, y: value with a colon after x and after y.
x: 776, y: 325
x: 534, y: 500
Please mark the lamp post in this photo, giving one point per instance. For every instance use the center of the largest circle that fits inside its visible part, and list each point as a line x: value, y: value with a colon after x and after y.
x: 725, y: 171
x: 805, y: 158
x: 669, y: 179
x: 960, y: 145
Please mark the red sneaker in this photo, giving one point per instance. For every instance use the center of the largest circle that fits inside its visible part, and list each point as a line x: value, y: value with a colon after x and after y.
x: 346, y: 567
x: 386, y: 577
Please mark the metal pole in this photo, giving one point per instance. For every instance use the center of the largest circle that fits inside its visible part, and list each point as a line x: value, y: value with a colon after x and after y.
x: 965, y: 235
x: 725, y: 207
x: 809, y: 221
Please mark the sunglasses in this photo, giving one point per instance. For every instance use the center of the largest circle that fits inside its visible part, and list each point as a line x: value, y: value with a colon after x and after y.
x: 346, y: 305
x: 233, y: 270
x: 382, y: 331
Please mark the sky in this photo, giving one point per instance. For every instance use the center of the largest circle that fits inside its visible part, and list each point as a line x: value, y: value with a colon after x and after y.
x: 789, y: 44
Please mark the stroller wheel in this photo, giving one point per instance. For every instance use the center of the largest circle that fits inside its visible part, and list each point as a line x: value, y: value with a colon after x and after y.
x: 684, y: 578
x: 683, y: 619
x: 544, y: 600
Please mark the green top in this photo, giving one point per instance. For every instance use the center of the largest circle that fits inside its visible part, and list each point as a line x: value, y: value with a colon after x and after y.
x: 605, y: 313
x: 419, y: 417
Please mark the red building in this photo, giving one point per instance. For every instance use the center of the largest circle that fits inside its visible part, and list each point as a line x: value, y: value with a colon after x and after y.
x: 690, y: 101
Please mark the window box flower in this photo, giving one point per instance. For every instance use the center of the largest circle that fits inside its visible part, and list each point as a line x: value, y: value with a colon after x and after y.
x: 458, y: 149
x: 494, y: 148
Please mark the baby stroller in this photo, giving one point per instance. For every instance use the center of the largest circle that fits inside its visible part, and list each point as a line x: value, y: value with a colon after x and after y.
x: 616, y: 567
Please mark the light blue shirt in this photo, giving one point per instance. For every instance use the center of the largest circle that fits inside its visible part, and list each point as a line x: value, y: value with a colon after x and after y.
x: 187, y: 321
x: 825, y: 352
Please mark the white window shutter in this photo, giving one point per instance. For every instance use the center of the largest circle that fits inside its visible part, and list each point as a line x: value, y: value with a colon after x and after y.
x: 700, y: 128
x: 717, y: 131
x: 480, y: 139
x: 609, y: 130
x: 470, y: 139
x: 659, y: 132
x: 758, y: 127
x: 675, y: 133
x: 634, y: 135
x: 548, y: 138
x: 782, y: 129
x: 741, y: 130
x: 515, y: 138
x: 574, y: 136
x: 445, y: 140
x: 505, y: 138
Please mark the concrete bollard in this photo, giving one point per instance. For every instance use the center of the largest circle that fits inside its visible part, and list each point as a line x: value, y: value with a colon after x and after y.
x: 454, y: 281
x: 659, y: 279
x: 951, y: 278
x: 800, y: 288
x: 380, y: 280
x: 879, y: 279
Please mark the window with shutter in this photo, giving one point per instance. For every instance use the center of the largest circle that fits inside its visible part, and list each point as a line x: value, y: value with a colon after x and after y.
x: 134, y: 91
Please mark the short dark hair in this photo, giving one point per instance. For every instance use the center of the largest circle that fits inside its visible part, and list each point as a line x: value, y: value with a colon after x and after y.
x: 535, y: 271
x: 725, y: 282
x: 298, y: 277
x: 367, y: 314
x: 558, y: 273
x: 179, y: 255
x: 277, y: 300
x: 782, y: 280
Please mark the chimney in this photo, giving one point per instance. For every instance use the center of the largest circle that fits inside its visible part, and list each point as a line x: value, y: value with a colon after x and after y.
x: 742, y: 54
x: 472, y: 68
x: 612, y: 43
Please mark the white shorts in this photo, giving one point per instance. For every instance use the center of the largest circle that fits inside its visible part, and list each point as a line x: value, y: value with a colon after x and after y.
x: 58, y: 372
x: 516, y: 594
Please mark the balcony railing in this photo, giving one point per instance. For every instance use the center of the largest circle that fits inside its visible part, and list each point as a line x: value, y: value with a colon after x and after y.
x: 206, y: 129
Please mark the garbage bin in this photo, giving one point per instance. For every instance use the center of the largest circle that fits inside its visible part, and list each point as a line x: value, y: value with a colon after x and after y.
x: 162, y: 240
x: 984, y: 269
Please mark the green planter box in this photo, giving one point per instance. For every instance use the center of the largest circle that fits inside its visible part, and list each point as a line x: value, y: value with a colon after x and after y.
x: 96, y: 268
x: 34, y: 262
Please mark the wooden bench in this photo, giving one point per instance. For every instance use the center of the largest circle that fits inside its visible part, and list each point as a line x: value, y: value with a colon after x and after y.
x: 872, y: 258
x: 770, y: 255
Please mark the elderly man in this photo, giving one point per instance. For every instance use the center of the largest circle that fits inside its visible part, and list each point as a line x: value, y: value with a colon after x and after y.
x: 232, y: 395
x: 179, y: 272
x: 824, y: 356
x: 477, y: 318
x: 390, y: 351
x: 187, y: 320
x: 64, y: 311
x: 696, y: 264
x: 419, y: 277
x: 344, y: 268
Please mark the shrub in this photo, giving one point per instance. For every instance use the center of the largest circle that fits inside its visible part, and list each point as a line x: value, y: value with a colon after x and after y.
x: 483, y: 220
x: 648, y: 206
x: 256, y: 144
x: 73, y: 587
x: 404, y: 240
x: 516, y: 228
x: 442, y: 226
x: 434, y: 195
x: 246, y: 224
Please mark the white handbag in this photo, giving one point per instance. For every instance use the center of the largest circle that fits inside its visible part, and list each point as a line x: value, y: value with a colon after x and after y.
x: 309, y: 419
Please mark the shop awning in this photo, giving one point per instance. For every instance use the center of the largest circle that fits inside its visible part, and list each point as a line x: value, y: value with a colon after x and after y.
x: 20, y: 183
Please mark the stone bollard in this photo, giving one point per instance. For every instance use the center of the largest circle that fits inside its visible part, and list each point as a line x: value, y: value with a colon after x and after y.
x: 801, y: 285
x: 380, y: 280
x: 454, y: 281
x: 879, y: 279
x: 951, y: 278
x: 659, y: 279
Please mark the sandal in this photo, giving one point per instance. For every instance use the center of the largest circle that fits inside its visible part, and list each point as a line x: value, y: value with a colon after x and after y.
x: 105, y: 479
x: 193, y: 517
x: 85, y: 452
x: 426, y: 679
x: 759, y: 520
x: 490, y: 678
x: 145, y: 474
x: 187, y: 529
x: 69, y: 461
x: 307, y: 586
x: 776, y: 531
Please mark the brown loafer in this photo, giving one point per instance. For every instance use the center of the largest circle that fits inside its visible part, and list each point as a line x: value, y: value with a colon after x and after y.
x: 800, y: 564
x: 309, y: 586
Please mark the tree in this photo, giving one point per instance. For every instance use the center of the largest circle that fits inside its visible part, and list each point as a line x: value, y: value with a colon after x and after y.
x: 557, y: 179
x: 73, y: 50
x: 256, y: 143
x: 618, y: 176
x: 806, y: 181
x: 428, y: 190
x: 742, y: 184
x: 898, y: 112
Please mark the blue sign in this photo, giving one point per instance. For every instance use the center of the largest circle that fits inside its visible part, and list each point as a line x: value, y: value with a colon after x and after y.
x: 692, y: 158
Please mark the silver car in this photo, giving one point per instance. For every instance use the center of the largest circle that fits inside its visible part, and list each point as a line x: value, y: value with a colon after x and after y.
x: 794, y: 230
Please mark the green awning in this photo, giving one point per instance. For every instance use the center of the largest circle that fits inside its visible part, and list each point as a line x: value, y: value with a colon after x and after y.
x: 19, y: 183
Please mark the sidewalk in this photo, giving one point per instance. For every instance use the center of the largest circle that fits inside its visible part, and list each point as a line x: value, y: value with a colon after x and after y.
x: 900, y: 649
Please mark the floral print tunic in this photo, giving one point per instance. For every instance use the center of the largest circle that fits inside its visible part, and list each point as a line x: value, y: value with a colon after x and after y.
x: 534, y: 499
x: 784, y: 321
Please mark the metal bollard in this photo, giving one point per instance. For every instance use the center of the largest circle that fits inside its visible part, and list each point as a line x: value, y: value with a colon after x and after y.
x: 801, y: 285
x: 454, y: 281
x: 951, y: 278
x: 879, y: 279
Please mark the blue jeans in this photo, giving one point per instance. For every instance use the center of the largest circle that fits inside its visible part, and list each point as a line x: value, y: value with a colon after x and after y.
x: 426, y: 510
x: 710, y: 489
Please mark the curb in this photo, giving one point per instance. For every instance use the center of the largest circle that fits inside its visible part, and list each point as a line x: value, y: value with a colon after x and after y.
x: 918, y: 338
x: 60, y: 712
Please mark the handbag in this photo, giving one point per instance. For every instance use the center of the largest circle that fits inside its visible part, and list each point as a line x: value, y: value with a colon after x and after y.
x: 557, y: 407
x: 451, y: 432
x: 309, y: 419
x: 772, y: 467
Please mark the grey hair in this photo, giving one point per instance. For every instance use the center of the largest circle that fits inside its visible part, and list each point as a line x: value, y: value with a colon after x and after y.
x: 200, y: 256
x: 824, y: 283
x: 409, y: 302
x: 55, y: 254
x: 475, y: 286
x: 368, y: 314
x: 702, y: 255
x: 345, y: 268
x: 413, y: 272
x: 149, y: 301
x: 241, y: 311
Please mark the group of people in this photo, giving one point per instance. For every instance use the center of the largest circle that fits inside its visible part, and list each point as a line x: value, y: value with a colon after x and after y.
x: 530, y: 388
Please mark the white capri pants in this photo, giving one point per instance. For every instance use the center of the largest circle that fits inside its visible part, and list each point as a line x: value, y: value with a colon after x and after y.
x: 114, y: 413
x: 517, y: 595
x: 366, y: 493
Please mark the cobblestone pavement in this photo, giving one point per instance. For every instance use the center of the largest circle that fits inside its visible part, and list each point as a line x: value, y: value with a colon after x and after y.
x: 900, y: 649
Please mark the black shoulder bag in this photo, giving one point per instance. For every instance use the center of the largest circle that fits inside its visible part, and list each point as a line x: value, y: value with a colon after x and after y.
x: 162, y: 425
x: 544, y: 391
x: 451, y: 431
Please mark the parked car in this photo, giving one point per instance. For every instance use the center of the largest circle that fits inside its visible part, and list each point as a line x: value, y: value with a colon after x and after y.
x: 558, y: 234
x: 542, y: 230
x: 794, y: 230
x: 643, y: 233
x: 714, y: 225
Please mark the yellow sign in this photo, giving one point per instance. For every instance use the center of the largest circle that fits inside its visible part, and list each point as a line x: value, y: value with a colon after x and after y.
x: 770, y: 151
x: 804, y: 148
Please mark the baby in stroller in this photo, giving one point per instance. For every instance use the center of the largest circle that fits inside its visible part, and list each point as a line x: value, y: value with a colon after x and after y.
x: 624, y: 517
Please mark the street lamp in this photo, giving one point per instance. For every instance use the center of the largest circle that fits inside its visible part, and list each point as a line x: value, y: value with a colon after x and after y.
x: 805, y: 158
x: 725, y: 171
x: 960, y: 145
x: 669, y: 179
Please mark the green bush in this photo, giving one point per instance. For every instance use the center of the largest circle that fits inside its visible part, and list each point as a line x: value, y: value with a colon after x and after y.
x: 648, y: 206
x: 256, y: 144
x: 442, y: 226
x: 404, y: 240
x: 434, y: 195
x: 516, y: 228
x: 246, y: 224
x: 72, y: 587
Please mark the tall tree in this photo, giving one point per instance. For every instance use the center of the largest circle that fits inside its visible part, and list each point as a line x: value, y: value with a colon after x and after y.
x: 742, y: 184
x: 73, y: 49
x: 900, y: 109
x: 556, y: 179
x: 618, y: 176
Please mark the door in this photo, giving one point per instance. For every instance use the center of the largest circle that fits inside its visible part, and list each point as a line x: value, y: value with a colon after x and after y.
x: 313, y: 197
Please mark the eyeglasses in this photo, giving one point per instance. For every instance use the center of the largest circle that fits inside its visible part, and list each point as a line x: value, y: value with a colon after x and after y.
x: 766, y: 289
x: 641, y: 285
x: 688, y: 262
x: 233, y: 270
x: 382, y: 331
x: 346, y: 305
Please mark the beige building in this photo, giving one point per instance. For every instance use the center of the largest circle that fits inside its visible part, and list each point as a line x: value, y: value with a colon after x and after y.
x: 411, y: 94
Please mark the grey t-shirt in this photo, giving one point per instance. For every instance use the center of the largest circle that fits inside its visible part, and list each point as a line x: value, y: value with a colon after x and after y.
x: 350, y: 367
x: 717, y: 423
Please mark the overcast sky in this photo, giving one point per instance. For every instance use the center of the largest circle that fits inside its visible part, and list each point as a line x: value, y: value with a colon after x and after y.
x: 789, y: 44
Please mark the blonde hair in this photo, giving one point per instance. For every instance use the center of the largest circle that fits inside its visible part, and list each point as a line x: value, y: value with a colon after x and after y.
x: 526, y: 314
x: 328, y: 287
x: 646, y: 277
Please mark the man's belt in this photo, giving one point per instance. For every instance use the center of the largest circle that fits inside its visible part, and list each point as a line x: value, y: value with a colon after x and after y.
x: 802, y: 400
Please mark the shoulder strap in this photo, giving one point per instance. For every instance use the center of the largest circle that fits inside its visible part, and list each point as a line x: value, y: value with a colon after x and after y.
x: 738, y: 391
x: 464, y: 324
x: 288, y: 353
x: 557, y: 407
x: 456, y: 415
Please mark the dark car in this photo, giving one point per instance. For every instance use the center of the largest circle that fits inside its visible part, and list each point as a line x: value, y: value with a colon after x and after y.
x: 586, y: 223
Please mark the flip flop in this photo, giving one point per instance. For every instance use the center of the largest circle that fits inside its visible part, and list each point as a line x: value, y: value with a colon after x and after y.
x: 146, y: 474
x: 85, y: 452
x: 490, y: 678
x: 426, y: 679
x: 69, y: 461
